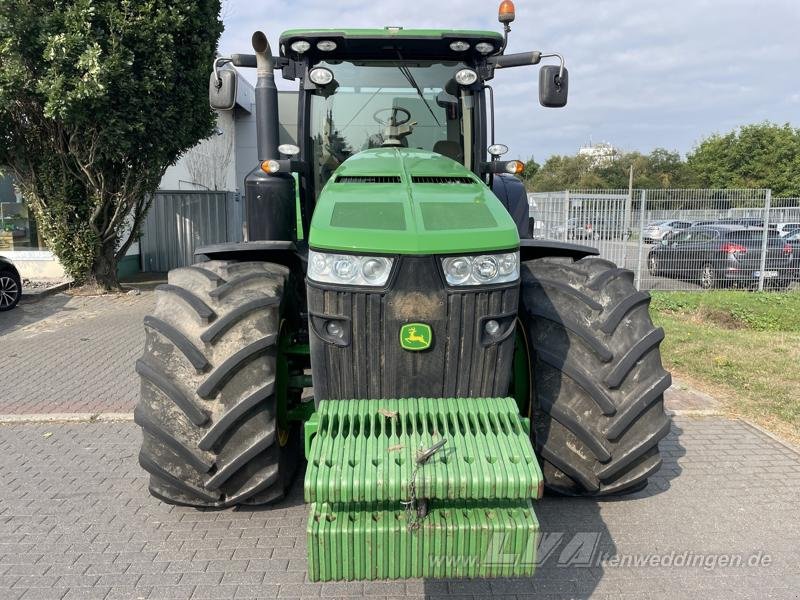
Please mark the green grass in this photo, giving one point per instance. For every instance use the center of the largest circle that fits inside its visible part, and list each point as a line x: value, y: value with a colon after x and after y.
x: 743, y: 347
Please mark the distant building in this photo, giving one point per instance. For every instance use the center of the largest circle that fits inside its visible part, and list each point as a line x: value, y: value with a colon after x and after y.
x: 600, y: 154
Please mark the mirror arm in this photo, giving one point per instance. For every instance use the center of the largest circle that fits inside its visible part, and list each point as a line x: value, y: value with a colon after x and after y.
x: 559, y: 57
x: 520, y: 59
x: 218, y: 62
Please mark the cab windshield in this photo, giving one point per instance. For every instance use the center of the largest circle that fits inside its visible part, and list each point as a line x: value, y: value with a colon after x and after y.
x: 373, y: 104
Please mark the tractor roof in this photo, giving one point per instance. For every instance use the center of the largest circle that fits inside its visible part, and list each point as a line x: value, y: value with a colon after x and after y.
x: 429, y: 44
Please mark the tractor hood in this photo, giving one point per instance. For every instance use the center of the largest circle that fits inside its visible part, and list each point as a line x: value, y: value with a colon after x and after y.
x: 409, y: 201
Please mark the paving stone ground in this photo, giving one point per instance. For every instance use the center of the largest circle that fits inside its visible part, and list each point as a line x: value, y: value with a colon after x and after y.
x: 72, y: 354
x: 76, y: 520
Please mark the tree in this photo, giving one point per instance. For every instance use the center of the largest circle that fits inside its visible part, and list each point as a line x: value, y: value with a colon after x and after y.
x: 762, y: 155
x: 659, y: 169
x: 97, y: 99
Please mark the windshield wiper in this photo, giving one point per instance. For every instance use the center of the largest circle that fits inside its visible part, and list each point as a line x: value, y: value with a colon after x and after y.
x: 410, y: 78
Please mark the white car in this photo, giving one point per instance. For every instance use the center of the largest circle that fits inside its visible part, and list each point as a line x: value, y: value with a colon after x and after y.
x: 655, y: 231
x: 785, y: 229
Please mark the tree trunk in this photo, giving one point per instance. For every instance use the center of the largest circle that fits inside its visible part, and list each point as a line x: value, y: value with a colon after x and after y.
x: 104, y: 270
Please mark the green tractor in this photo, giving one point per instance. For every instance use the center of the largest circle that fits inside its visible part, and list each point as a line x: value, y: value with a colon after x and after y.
x: 458, y: 367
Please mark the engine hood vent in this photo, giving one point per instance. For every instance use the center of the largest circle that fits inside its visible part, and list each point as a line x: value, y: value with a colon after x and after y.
x: 368, y: 179
x: 436, y: 179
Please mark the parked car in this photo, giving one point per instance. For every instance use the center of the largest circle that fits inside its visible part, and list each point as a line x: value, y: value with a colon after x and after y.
x: 722, y: 254
x: 600, y: 227
x: 793, y: 239
x: 10, y: 285
x: 742, y: 221
x: 784, y: 229
x: 656, y: 230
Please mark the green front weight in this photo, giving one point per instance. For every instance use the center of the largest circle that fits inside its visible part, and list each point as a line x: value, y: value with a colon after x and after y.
x: 478, y: 487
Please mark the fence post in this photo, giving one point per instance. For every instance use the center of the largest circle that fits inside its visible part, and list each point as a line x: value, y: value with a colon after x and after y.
x: 566, y: 215
x: 642, y: 210
x: 767, y: 204
x: 626, y: 222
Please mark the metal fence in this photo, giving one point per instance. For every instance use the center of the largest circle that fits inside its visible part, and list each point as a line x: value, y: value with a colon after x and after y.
x: 680, y: 239
x: 180, y: 221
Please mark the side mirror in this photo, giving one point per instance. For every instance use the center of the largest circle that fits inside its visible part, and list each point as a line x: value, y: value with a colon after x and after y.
x: 553, y: 86
x: 222, y: 89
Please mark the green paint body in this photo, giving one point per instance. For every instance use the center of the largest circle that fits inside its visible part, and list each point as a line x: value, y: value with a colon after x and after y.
x: 409, y: 217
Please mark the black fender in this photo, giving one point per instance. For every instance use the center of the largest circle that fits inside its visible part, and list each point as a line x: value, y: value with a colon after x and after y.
x: 531, y: 249
x: 281, y: 252
x: 513, y: 196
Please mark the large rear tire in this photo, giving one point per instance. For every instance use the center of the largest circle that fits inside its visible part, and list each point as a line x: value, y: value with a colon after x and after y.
x: 208, y: 408
x: 597, y: 383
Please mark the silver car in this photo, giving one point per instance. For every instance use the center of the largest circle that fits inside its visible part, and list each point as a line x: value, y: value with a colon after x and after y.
x: 655, y: 231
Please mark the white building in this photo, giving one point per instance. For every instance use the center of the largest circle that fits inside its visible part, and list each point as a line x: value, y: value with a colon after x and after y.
x: 599, y: 154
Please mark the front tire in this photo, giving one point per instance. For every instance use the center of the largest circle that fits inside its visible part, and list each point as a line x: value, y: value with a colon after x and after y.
x: 10, y: 289
x: 597, y: 405
x: 208, y: 408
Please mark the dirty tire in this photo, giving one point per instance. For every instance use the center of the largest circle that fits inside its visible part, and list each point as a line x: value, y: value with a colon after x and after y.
x: 208, y: 405
x: 597, y: 382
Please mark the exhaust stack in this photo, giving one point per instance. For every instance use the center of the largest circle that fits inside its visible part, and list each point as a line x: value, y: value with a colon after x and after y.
x: 266, y: 99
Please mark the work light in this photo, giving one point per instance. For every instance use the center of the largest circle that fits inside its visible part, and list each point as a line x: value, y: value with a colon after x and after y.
x: 466, y: 77
x: 321, y: 75
x: 300, y: 46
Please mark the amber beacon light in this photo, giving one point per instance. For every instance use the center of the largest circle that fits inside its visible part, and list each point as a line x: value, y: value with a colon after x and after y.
x: 505, y: 14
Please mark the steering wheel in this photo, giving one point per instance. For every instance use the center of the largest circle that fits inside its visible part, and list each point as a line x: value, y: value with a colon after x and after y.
x: 392, y: 120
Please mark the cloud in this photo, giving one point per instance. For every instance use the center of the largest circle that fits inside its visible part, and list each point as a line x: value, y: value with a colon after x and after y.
x: 642, y: 74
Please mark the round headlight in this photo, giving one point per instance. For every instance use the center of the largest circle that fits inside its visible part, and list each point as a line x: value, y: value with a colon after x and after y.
x: 300, y: 46
x: 326, y: 45
x: 345, y: 267
x: 459, y: 46
x: 507, y: 263
x: 374, y: 268
x: 318, y: 263
x: 321, y: 76
x: 485, y: 268
x: 466, y: 77
x: 484, y: 48
x: 456, y: 269
x: 334, y: 329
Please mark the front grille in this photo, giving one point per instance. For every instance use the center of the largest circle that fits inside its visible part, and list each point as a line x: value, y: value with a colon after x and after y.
x: 432, y: 179
x: 368, y: 179
x: 373, y: 364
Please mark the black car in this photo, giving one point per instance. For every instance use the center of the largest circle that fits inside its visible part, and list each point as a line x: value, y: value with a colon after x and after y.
x: 10, y: 285
x: 722, y: 254
x: 793, y: 240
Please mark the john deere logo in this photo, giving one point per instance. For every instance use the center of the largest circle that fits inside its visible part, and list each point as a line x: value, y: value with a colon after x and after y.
x: 415, y: 336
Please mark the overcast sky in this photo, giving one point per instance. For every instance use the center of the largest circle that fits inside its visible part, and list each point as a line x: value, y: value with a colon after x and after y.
x: 643, y: 74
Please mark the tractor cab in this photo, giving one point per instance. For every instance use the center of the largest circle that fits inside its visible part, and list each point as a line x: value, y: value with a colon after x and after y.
x: 392, y: 87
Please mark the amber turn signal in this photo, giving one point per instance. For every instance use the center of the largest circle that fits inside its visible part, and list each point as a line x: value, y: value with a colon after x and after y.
x: 514, y: 167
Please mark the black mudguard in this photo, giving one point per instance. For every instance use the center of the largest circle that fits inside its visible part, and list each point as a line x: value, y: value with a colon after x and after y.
x: 531, y: 249
x: 511, y: 193
x: 281, y: 252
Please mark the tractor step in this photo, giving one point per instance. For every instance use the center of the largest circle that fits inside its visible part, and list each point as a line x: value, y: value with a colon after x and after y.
x: 420, y: 487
